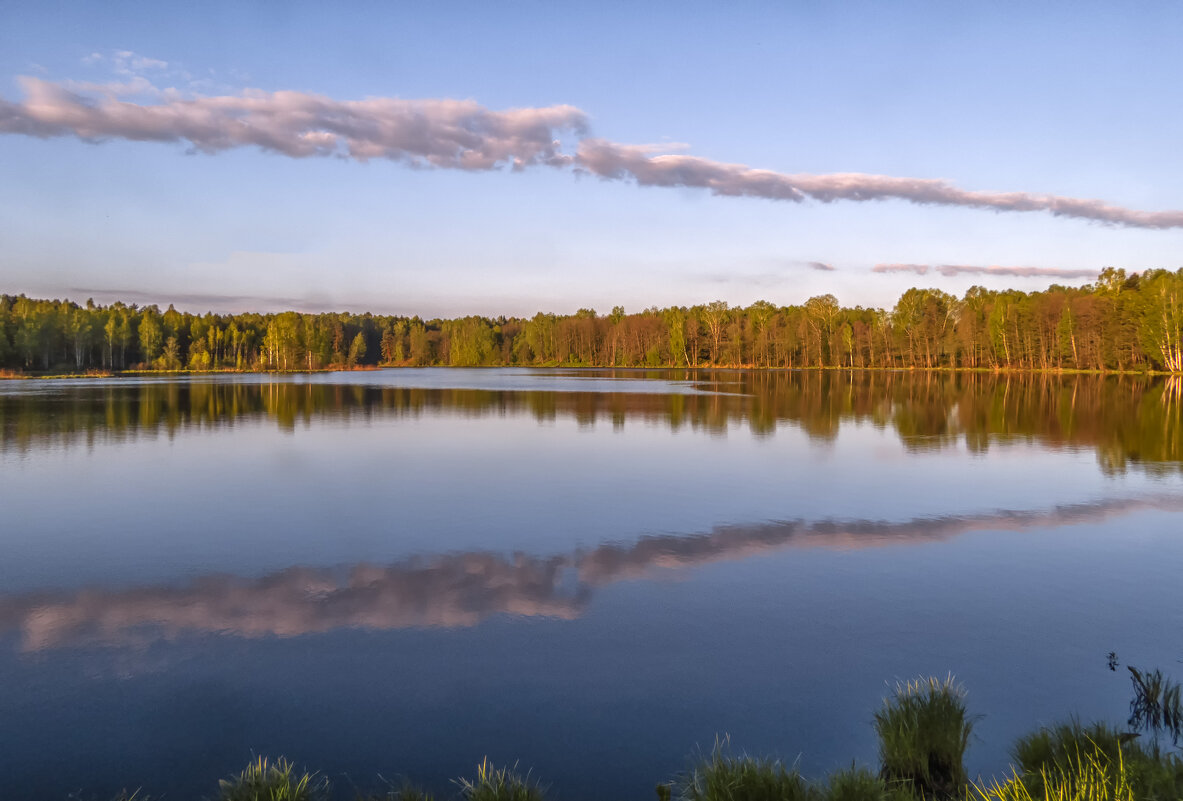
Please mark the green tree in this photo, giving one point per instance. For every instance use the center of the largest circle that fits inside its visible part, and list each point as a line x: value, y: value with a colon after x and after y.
x: 81, y: 333
x: 389, y: 347
x: 357, y: 350
x: 199, y: 355
x: 420, y: 342
x: 470, y: 341
x: 170, y: 358
x: 715, y: 315
x: 821, y: 312
x: 34, y: 331
x: 151, y: 336
x: 1161, y: 323
x: 675, y: 321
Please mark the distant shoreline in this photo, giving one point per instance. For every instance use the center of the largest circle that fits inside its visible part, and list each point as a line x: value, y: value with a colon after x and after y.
x: 1123, y: 323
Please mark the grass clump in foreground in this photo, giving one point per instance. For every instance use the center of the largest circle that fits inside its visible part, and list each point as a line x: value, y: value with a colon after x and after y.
x: 923, y: 733
x: 1088, y: 775
x: 1069, y: 757
x: 499, y: 784
x: 724, y: 777
x: 860, y: 784
x: 265, y: 780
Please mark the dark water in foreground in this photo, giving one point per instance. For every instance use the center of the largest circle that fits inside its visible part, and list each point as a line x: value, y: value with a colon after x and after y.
x: 592, y: 572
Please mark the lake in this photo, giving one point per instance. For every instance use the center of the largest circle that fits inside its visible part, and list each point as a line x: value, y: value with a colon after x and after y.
x: 592, y: 573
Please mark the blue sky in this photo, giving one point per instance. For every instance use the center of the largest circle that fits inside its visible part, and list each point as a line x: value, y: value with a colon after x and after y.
x: 1073, y: 100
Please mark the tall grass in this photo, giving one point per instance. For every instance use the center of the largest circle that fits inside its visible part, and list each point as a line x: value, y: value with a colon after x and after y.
x: 1089, y: 775
x: 1065, y: 750
x: 265, y: 780
x: 860, y: 784
x: 923, y: 733
x: 724, y: 777
x: 499, y: 784
x: 855, y: 784
x: 1054, y: 750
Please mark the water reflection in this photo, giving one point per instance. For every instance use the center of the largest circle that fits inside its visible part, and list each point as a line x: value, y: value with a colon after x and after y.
x: 461, y: 590
x: 1126, y: 420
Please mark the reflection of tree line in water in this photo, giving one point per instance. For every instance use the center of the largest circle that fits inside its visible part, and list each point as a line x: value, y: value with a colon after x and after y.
x: 464, y: 589
x: 1126, y: 419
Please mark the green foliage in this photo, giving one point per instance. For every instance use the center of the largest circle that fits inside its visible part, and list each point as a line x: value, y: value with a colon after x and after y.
x: 724, y: 777
x: 923, y: 733
x: 422, y: 352
x: 1123, y: 322
x: 151, y: 336
x: 860, y: 784
x: 357, y: 349
x: 1058, y: 744
x: 499, y: 784
x: 1068, y: 753
x: 471, y: 342
x: 266, y: 780
x: 170, y: 359
x: 1091, y: 776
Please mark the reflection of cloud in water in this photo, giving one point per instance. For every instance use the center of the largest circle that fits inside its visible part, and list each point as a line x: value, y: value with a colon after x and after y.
x: 612, y: 562
x: 464, y: 589
x: 447, y: 591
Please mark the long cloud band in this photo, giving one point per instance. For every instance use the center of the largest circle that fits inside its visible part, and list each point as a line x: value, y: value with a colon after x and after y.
x: 462, y: 134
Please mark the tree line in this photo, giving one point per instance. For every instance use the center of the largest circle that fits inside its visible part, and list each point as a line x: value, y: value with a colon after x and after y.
x: 1120, y: 322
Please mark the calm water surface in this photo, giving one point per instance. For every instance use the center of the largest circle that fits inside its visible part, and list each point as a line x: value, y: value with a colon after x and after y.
x: 592, y: 572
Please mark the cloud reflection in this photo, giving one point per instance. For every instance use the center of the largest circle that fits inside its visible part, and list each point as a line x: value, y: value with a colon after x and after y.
x: 462, y: 590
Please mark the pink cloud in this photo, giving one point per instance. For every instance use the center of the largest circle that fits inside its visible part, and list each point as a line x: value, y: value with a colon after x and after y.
x: 462, y: 134
x: 965, y: 269
x: 459, y: 134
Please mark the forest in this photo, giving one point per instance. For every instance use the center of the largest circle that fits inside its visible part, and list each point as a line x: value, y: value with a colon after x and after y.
x: 1121, y: 322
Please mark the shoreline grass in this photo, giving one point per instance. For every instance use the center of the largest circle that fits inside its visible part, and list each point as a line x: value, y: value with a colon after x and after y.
x: 923, y: 730
x: 723, y: 776
x: 274, y: 780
